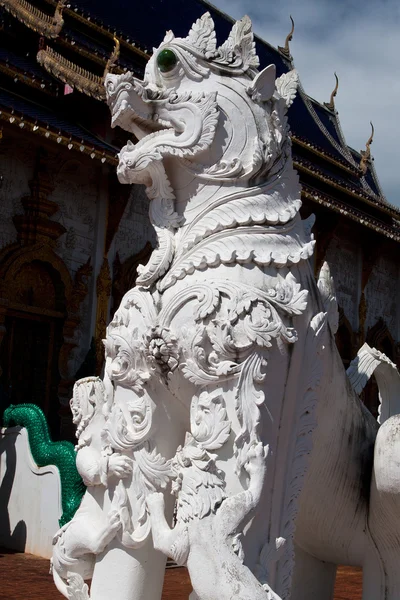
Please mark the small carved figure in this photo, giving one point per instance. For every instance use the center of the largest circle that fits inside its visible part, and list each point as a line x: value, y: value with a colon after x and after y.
x: 208, y: 524
x: 88, y: 533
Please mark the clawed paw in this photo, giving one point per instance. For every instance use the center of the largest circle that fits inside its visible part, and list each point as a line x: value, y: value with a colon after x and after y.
x: 256, y: 457
x: 119, y: 465
x: 155, y: 499
x: 114, y: 519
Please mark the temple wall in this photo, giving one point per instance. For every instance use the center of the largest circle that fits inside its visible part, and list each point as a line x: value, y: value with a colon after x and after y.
x: 382, y: 294
x: 344, y: 259
x: 75, y: 186
x: 16, y: 169
x: 80, y: 189
x: 135, y: 229
x: 30, y: 502
x: 77, y: 194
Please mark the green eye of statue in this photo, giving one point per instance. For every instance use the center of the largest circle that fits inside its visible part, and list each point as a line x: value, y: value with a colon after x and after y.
x: 166, y: 60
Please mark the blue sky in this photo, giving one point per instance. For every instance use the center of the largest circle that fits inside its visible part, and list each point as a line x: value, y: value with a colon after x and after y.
x: 360, y: 40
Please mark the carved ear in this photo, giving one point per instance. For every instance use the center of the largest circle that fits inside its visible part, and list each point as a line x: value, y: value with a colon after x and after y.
x: 286, y: 86
x: 202, y: 35
x: 241, y: 42
x: 169, y: 36
x: 263, y: 85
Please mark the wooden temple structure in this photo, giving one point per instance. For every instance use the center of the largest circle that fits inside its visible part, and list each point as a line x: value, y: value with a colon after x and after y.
x: 71, y: 237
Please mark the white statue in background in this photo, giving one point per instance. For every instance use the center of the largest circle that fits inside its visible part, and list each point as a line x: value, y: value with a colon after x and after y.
x: 228, y: 342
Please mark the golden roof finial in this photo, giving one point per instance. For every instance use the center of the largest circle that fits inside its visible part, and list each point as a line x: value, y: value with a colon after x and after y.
x: 59, y: 9
x: 331, y: 103
x: 286, y: 49
x: 44, y: 24
x: 113, y: 58
x: 366, y: 154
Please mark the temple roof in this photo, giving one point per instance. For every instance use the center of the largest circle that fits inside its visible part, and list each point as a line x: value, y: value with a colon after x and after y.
x: 79, y: 52
x: 144, y: 25
x: 38, y: 119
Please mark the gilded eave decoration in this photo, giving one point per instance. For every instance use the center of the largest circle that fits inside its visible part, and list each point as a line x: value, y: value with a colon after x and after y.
x: 304, y: 143
x: 331, y: 104
x: 306, y: 166
x: 349, y: 212
x: 366, y: 154
x: 11, y: 117
x: 10, y: 70
x: 81, y: 79
x: 46, y: 25
x: 285, y: 50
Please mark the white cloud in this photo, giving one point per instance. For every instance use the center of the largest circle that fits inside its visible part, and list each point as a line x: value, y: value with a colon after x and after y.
x: 360, y: 41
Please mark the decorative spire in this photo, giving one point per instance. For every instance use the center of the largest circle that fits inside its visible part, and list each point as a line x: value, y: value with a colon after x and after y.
x: 331, y: 103
x: 113, y: 58
x: 366, y: 154
x: 286, y: 49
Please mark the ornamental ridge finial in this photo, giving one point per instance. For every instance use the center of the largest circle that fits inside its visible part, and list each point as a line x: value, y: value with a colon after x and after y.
x: 366, y: 154
x: 286, y: 49
x: 43, y: 23
x: 113, y: 58
x: 60, y: 6
x: 331, y: 104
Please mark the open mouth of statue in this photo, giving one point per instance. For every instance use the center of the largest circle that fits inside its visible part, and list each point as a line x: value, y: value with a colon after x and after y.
x: 147, y: 122
x: 131, y: 109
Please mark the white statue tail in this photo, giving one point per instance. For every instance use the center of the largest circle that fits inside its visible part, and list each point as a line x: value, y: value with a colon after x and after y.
x: 369, y: 361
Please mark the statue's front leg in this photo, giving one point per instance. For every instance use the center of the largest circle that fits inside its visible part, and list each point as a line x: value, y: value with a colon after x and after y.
x: 131, y: 568
x: 236, y: 509
x: 128, y: 574
x: 171, y: 542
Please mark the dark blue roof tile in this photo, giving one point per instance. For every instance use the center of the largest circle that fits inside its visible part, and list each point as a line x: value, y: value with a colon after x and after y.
x: 47, y: 117
x: 25, y: 64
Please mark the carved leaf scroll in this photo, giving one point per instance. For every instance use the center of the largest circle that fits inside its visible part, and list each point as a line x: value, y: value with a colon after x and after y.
x: 239, y: 50
x: 244, y: 245
x: 253, y: 318
x: 326, y: 288
x: 248, y: 401
x: 160, y: 259
x: 261, y: 205
x: 286, y: 86
x: 202, y: 35
x: 209, y: 422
